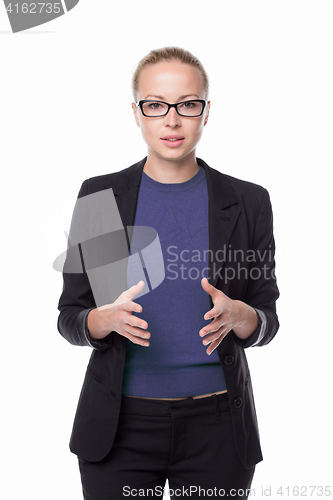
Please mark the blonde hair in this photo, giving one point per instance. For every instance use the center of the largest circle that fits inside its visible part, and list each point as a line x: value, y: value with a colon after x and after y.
x: 168, y: 54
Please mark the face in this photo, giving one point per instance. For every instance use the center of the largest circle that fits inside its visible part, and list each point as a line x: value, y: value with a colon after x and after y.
x: 171, y: 82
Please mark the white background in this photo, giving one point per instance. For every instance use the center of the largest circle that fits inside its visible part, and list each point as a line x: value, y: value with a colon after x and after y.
x: 66, y: 115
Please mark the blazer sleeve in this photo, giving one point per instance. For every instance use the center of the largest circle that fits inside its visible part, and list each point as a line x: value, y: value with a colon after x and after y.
x: 75, y: 303
x: 262, y: 291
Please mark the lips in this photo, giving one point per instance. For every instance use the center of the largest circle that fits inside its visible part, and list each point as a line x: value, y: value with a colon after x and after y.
x: 172, y: 137
x: 173, y: 140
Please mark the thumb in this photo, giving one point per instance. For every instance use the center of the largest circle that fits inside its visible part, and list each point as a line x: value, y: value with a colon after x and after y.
x: 205, y: 284
x: 135, y: 289
x: 130, y: 293
x: 210, y: 288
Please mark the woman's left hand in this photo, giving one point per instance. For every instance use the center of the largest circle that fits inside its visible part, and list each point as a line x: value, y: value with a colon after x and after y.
x: 228, y: 315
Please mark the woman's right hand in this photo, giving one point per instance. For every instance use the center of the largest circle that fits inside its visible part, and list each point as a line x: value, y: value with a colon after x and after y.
x: 118, y: 317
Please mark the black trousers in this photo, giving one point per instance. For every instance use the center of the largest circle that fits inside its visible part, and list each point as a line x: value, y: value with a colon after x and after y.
x: 189, y: 442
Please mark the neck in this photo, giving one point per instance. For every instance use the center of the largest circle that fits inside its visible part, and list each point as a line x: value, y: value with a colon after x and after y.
x: 171, y: 171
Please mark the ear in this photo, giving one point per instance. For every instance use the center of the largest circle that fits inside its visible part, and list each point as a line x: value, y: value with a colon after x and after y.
x: 135, y: 112
x: 207, y: 113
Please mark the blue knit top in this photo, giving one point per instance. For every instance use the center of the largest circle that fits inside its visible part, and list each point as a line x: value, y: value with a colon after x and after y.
x: 176, y: 363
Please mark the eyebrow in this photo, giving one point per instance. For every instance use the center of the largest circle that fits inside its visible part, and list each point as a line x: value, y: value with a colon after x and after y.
x: 181, y: 97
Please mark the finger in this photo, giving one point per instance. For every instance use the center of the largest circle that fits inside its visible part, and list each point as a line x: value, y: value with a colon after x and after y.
x: 214, y: 345
x: 131, y: 306
x: 220, y: 306
x: 136, y: 332
x: 136, y: 340
x: 212, y: 327
x: 136, y: 322
x: 214, y: 312
x: 215, y: 335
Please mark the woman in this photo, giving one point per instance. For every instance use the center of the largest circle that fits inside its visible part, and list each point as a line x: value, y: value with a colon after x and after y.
x: 167, y: 392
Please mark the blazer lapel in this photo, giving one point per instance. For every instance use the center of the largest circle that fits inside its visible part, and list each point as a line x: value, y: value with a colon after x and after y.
x: 223, y: 213
x: 126, y: 192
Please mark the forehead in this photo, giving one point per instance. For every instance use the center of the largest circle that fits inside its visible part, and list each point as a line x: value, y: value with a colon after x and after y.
x: 170, y: 79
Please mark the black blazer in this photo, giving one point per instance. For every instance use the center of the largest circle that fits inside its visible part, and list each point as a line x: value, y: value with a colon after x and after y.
x: 240, y: 218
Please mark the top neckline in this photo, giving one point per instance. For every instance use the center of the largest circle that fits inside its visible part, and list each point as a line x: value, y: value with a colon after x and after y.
x: 175, y: 186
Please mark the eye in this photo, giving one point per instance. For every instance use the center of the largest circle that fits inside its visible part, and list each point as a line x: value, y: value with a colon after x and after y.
x: 154, y: 105
x: 190, y: 105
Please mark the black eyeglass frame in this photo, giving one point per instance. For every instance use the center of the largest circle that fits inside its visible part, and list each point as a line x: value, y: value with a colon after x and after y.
x: 141, y: 103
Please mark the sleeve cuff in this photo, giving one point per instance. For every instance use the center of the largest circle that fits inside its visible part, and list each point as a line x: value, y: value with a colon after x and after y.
x: 257, y: 335
x: 84, y: 333
x: 85, y: 328
x: 263, y: 321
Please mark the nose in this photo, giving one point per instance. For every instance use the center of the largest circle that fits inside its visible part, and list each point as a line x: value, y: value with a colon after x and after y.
x: 172, y: 118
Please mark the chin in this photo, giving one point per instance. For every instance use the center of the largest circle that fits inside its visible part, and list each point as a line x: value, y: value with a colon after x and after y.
x: 172, y: 154
x: 173, y: 157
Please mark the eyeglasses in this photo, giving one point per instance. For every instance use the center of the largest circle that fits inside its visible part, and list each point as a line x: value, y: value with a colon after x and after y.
x: 160, y: 108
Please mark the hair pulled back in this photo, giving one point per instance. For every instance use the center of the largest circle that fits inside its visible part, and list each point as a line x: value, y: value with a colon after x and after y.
x: 168, y: 54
